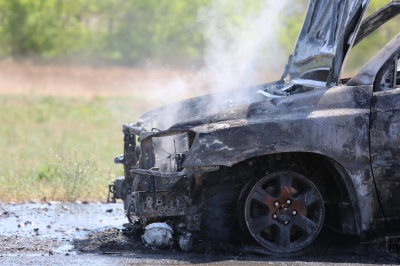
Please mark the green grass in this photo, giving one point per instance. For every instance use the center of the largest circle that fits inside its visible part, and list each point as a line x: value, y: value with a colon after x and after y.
x: 60, y: 148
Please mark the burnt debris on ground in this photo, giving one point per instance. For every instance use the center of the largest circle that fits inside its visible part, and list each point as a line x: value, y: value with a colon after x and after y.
x: 329, y: 247
x: 76, y: 231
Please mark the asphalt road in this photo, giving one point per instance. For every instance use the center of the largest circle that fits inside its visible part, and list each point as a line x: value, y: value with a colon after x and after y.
x: 93, y: 234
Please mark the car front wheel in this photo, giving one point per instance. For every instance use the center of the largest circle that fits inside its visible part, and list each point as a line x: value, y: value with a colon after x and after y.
x: 283, y: 211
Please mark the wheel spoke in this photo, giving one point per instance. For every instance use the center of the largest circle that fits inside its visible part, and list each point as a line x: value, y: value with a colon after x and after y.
x: 285, y: 186
x: 263, y: 197
x: 306, y: 225
x: 260, y: 223
x: 306, y: 199
x: 283, y: 236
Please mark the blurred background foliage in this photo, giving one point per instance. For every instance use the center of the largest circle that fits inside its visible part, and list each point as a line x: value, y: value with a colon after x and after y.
x: 120, y: 31
x: 129, y: 32
x: 73, y: 71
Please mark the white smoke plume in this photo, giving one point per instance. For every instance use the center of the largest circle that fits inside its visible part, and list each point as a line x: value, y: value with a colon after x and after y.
x: 241, y: 45
x: 235, y: 53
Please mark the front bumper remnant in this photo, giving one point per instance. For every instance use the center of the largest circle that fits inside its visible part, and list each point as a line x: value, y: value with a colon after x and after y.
x: 156, y: 187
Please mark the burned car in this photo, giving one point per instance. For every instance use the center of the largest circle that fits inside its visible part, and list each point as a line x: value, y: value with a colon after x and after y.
x: 282, y: 159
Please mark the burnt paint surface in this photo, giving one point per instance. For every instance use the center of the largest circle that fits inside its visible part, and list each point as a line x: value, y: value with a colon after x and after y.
x: 325, y: 38
x: 331, y: 121
x: 385, y: 150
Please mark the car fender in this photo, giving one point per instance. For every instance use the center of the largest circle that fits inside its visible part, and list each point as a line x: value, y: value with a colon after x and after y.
x: 332, y: 122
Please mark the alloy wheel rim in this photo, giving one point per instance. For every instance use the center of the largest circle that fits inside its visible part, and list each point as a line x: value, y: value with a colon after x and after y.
x: 284, y: 212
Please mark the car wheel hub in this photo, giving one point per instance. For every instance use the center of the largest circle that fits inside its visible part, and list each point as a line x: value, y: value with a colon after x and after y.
x: 284, y: 214
x: 284, y: 211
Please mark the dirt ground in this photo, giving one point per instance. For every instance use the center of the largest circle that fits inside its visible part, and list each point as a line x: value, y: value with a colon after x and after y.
x: 17, y: 78
x: 82, y: 233
x: 23, y: 78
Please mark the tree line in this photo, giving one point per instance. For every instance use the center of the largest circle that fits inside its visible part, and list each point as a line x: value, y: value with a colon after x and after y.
x: 132, y: 31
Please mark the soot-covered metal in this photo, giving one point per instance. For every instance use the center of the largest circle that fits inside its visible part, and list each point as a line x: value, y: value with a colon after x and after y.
x: 282, y: 159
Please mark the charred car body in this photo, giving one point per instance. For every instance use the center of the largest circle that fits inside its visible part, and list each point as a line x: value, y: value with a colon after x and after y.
x: 284, y: 158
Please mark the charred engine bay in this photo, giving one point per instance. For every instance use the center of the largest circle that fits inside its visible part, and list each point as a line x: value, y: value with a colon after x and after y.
x: 94, y: 234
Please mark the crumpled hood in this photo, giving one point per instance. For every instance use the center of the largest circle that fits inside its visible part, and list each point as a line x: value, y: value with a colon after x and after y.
x: 200, y: 107
x: 230, y: 108
x: 255, y: 112
x: 298, y: 106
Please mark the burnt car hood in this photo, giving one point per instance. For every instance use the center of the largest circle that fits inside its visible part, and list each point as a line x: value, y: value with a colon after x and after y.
x: 299, y: 105
x: 233, y: 106
x: 192, y: 109
x: 327, y: 35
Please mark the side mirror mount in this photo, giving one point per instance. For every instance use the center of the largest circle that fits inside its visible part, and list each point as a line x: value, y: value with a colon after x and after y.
x: 386, y: 79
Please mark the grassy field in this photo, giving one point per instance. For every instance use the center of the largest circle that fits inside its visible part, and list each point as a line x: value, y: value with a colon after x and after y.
x: 61, y: 148
x: 60, y: 127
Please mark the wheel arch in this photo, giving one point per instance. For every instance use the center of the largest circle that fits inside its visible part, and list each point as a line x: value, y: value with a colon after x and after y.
x: 330, y: 177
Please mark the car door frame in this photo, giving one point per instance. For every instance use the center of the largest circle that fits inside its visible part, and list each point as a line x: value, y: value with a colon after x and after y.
x: 385, y: 142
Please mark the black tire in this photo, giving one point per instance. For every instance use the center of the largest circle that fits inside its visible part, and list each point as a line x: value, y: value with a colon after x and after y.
x: 283, y: 211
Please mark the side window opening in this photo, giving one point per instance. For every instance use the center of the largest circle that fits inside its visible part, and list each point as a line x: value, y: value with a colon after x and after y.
x: 388, y: 78
x: 362, y: 52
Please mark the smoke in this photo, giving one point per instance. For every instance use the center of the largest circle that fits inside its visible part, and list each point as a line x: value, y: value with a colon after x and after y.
x: 241, y: 45
x: 237, y: 50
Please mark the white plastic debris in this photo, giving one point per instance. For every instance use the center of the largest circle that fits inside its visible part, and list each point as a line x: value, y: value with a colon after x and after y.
x: 158, y: 235
x: 186, y: 242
